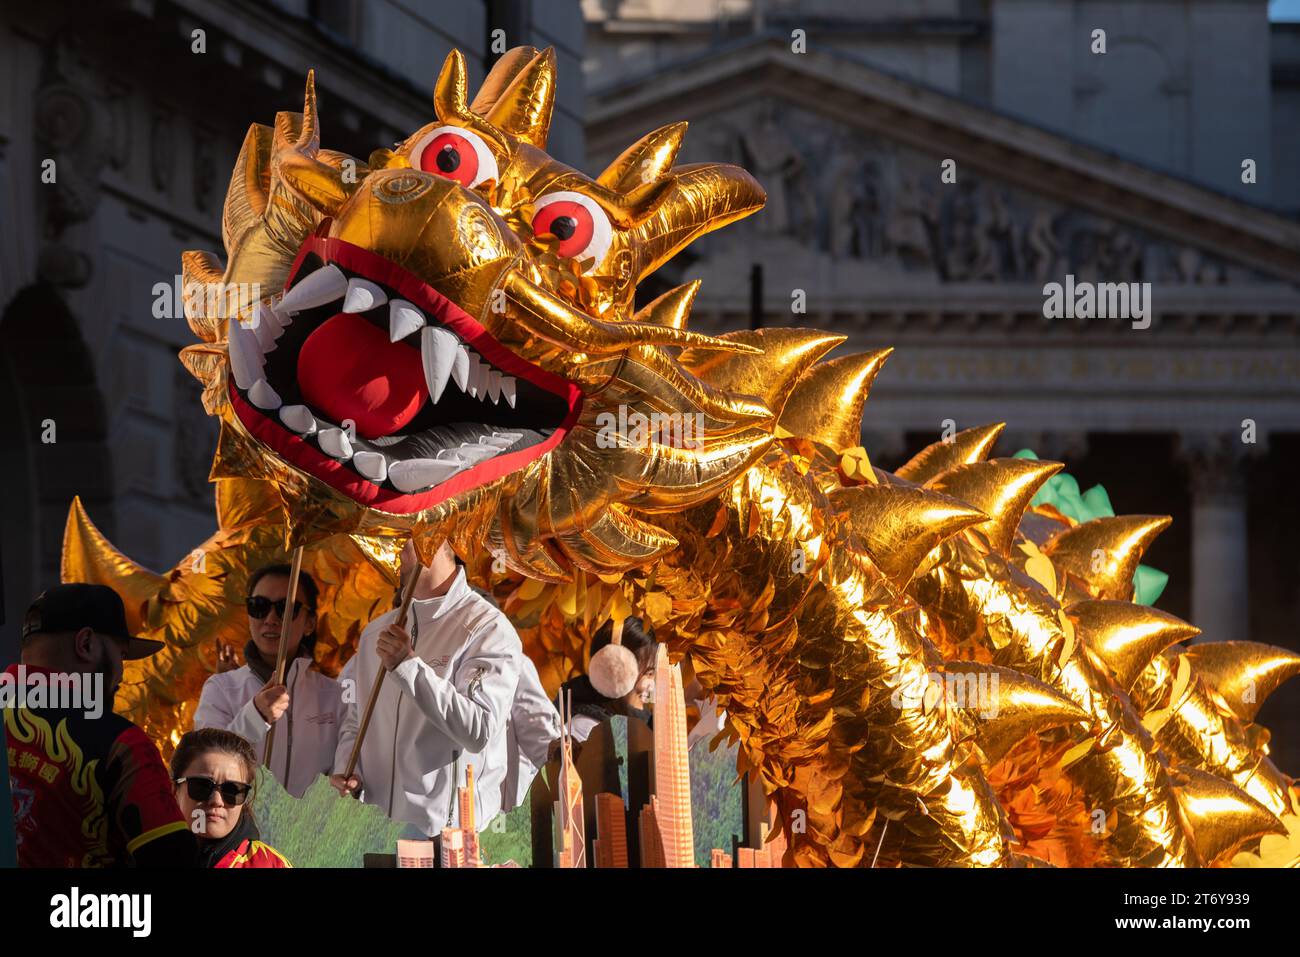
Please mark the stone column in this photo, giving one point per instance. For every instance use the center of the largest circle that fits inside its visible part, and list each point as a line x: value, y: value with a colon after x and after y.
x: 1220, y: 576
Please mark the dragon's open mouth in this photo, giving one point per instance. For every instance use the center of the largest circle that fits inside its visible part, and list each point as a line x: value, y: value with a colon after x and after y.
x: 372, y: 381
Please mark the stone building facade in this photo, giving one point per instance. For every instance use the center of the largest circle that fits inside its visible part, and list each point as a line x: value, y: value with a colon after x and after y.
x: 143, y: 130
x: 1122, y: 167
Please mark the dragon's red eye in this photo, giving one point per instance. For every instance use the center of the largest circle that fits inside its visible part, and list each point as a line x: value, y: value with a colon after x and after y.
x: 455, y: 153
x: 577, y: 222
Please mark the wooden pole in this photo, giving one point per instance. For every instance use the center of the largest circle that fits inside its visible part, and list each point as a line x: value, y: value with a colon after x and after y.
x: 286, y: 622
x: 408, y: 593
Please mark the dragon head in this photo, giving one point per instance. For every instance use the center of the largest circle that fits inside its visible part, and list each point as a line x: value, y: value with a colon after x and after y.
x: 456, y: 337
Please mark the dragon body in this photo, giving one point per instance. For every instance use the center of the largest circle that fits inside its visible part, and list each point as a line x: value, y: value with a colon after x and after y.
x: 444, y: 333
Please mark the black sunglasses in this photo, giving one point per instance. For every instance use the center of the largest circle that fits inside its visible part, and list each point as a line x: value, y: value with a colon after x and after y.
x: 233, y: 793
x: 259, y: 607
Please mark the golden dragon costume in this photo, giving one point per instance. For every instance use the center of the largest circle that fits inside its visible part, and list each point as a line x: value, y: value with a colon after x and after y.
x: 918, y: 667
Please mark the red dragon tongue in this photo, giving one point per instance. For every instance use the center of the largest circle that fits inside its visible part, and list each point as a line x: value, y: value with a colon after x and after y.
x: 347, y: 369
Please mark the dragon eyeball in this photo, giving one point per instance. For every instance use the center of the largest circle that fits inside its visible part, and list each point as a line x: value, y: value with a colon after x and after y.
x: 577, y: 222
x: 455, y: 153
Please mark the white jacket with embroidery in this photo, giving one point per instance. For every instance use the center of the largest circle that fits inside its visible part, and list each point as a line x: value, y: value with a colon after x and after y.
x: 437, y: 712
x: 306, y: 736
x: 534, y: 724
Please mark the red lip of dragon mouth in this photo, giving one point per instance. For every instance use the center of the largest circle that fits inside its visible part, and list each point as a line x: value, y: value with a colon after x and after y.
x: 370, y: 380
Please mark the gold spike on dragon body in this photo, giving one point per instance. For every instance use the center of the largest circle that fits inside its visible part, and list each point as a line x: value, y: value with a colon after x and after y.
x: 450, y: 333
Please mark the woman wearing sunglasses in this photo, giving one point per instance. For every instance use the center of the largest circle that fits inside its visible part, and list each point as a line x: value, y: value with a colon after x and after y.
x: 306, y: 709
x: 213, y: 771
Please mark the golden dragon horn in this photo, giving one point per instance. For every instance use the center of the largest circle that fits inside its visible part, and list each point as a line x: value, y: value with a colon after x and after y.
x: 827, y: 402
x: 1127, y: 636
x: 450, y: 100
x: 1002, y: 706
x: 900, y: 525
x: 90, y: 557
x: 648, y: 159
x: 1221, y: 816
x: 1244, y: 673
x: 964, y: 448
x: 1001, y: 489
x: 1104, y: 553
x: 523, y: 108
x: 782, y: 356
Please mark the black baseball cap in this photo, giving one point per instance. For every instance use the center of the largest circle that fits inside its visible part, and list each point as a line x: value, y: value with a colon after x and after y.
x: 74, y: 606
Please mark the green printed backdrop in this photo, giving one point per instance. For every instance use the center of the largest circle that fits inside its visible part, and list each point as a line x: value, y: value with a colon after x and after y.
x: 323, y: 830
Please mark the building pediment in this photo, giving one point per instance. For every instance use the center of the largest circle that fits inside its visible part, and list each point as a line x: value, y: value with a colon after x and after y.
x: 851, y: 156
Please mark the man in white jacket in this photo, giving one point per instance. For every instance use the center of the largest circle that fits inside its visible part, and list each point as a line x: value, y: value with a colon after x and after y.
x: 307, y: 709
x: 444, y: 703
x: 532, y: 737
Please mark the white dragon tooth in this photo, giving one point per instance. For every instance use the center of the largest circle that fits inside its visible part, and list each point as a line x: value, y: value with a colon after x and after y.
x: 411, y: 475
x: 245, y: 356
x: 496, y: 441
x: 298, y: 418
x: 472, y: 454
x: 438, y: 350
x: 274, y: 320
x: 362, y: 296
x: 264, y: 331
x: 324, y: 285
x: 494, y: 386
x: 512, y: 436
x: 508, y: 389
x: 263, y: 396
x: 460, y: 368
x: 478, y: 378
x: 371, y: 464
x: 471, y: 375
x: 403, y: 319
x: 268, y: 315
x: 334, y: 442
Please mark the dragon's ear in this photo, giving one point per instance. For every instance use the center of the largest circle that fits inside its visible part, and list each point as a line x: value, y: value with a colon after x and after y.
x: 317, y: 183
x: 523, y: 109
x: 451, y: 101
x: 297, y: 163
x: 500, y: 76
